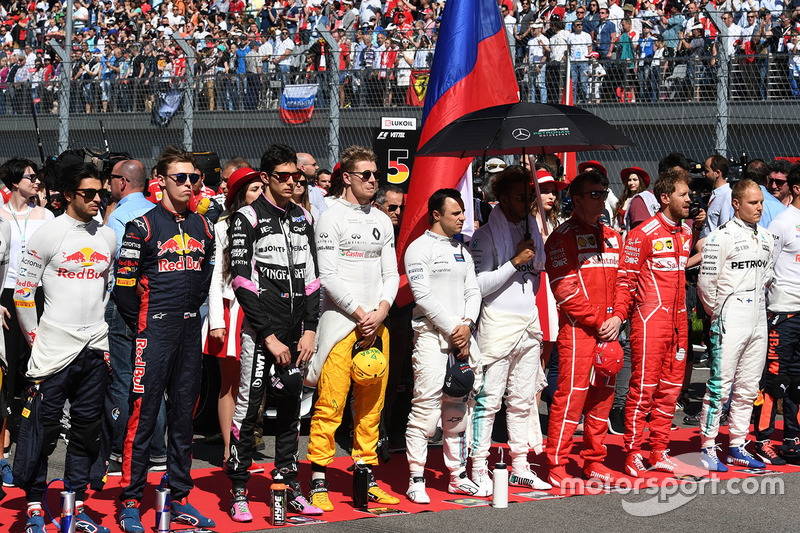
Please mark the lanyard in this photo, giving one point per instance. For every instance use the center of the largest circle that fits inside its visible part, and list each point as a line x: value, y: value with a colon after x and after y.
x: 22, y: 230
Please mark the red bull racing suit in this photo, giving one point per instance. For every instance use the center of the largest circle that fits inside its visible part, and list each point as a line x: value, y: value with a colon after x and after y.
x: 170, y: 257
x: 273, y: 263
x: 581, y: 262
x: 652, y: 283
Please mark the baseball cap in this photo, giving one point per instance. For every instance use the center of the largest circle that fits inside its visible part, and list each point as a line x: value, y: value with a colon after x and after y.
x: 458, y: 378
x: 237, y: 180
x: 368, y: 365
x: 608, y: 358
x: 286, y: 382
x: 495, y: 165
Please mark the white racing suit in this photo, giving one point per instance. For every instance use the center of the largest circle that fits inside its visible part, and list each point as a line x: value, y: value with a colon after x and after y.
x: 737, y: 266
x: 442, y: 277
x: 509, y: 338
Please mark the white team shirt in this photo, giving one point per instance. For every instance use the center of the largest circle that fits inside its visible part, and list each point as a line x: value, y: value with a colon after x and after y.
x: 74, y: 260
x: 441, y: 275
x: 356, y: 257
x: 783, y: 295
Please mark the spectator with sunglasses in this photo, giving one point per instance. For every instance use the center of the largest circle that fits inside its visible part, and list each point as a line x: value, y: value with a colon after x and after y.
x: 170, y: 257
x: 391, y: 200
x: 777, y: 181
x: 73, y: 256
x: 358, y: 271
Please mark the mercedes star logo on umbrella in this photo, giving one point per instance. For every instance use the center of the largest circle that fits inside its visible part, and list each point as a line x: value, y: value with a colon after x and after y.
x: 521, y: 134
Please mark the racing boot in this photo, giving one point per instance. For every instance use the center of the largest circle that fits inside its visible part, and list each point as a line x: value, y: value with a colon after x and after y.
x: 129, y: 520
x: 598, y: 471
x: 525, y: 477
x: 481, y: 478
x: 240, y: 506
x: 766, y: 452
x: 378, y: 495
x: 634, y: 465
x: 461, y: 484
x: 319, y: 495
x: 661, y: 461
x: 85, y: 524
x: 35, y: 522
x: 298, y: 502
x: 709, y: 458
x: 416, y: 490
x: 184, y: 512
x: 739, y: 456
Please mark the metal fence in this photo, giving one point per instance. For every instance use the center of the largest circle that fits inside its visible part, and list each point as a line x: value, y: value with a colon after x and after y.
x: 669, y: 104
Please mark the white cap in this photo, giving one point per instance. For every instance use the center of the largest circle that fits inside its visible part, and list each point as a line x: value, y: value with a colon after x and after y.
x: 495, y: 165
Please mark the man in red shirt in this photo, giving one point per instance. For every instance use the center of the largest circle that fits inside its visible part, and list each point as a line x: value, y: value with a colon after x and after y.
x: 582, y: 259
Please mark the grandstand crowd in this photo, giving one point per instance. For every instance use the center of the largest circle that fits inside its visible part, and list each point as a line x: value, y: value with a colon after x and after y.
x: 245, y: 53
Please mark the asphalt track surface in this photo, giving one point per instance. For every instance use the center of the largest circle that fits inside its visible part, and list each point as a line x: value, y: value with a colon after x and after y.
x: 723, y: 511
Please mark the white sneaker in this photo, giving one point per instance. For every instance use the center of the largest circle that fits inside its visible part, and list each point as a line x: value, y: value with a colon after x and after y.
x: 526, y: 478
x: 483, y: 481
x: 416, y: 491
x: 461, y: 484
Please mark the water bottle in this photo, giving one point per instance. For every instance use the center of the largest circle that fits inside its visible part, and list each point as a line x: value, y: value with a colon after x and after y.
x: 277, y: 509
x: 163, y: 505
x: 361, y: 475
x: 500, y: 485
x: 68, y: 521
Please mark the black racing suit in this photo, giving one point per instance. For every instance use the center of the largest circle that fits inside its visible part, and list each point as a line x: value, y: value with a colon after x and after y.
x: 273, y: 263
x: 170, y: 257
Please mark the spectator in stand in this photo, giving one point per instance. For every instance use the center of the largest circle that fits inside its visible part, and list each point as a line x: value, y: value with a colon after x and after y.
x: 522, y: 31
x: 538, y: 53
x: 671, y: 25
x: 605, y: 35
x: 647, y: 72
x: 580, y: 45
x: 778, y: 185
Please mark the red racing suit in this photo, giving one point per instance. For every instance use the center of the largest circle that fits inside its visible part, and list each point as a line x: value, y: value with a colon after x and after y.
x: 581, y: 263
x: 651, y: 290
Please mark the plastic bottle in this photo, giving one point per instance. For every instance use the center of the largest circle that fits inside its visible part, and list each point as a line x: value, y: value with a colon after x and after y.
x: 500, y: 485
x: 277, y: 510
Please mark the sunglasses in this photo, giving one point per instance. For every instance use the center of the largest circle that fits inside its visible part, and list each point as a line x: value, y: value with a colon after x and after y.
x: 90, y: 194
x: 394, y: 207
x: 300, y: 183
x: 597, y: 195
x: 779, y: 183
x: 283, y: 177
x: 33, y: 177
x: 366, y: 175
x: 119, y: 176
x: 181, y: 177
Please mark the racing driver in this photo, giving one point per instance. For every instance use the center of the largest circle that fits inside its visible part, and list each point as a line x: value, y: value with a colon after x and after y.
x: 650, y: 286
x: 167, y: 253
x: 736, y: 268
x: 582, y: 256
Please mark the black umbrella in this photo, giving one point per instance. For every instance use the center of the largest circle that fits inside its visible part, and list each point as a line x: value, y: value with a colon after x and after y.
x: 537, y: 128
x: 524, y: 127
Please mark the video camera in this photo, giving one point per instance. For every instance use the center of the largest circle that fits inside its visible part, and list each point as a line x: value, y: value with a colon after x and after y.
x: 699, y: 189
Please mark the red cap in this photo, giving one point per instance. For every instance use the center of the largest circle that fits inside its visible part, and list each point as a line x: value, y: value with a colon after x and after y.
x: 593, y: 164
x: 608, y: 358
x: 237, y: 180
x: 643, y: 175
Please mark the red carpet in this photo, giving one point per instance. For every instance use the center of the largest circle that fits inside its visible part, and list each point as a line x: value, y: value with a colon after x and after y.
x: 211, y: 493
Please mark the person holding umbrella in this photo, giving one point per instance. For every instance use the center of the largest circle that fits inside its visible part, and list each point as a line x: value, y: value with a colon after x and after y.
x: 509, y: 258
x: 582, y: 256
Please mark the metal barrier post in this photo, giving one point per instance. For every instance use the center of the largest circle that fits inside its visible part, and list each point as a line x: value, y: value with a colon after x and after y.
x: 188, y: 94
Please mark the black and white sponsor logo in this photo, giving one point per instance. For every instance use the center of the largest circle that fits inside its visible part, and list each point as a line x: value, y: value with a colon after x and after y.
x: 238, y: 242
x: 239, y: 252
x: 521, y: 134
x: 355, y: 236
x: 376, y: 233
x: 130, y: 254
x: 159, y: 316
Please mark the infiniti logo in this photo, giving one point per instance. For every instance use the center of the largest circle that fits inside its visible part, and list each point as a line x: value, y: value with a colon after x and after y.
x: 521, y: 134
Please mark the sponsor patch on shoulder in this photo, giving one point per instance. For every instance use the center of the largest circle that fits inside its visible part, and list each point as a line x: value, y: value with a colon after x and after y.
x: 459, y: 258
